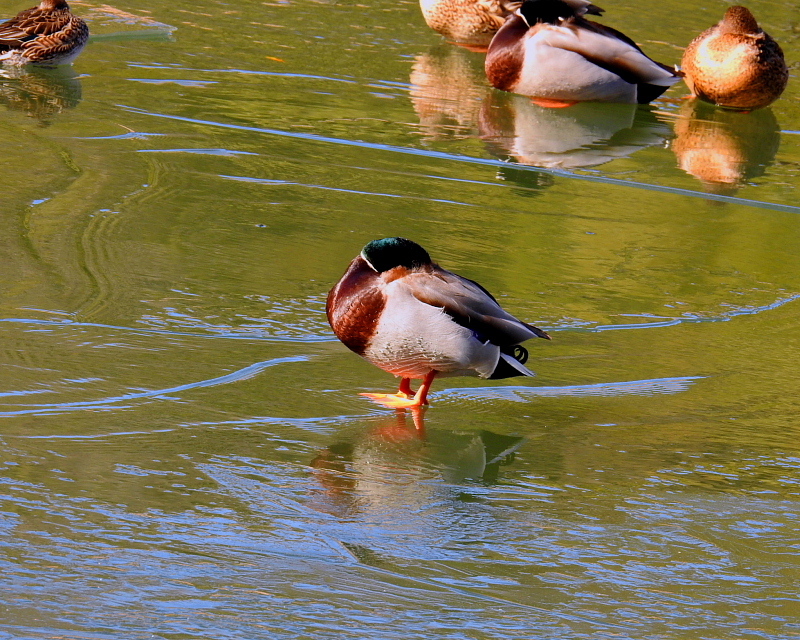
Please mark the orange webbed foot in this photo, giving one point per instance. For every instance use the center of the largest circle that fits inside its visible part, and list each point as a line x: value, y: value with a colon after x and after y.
x: 394, y: 400
x: 405, y: 398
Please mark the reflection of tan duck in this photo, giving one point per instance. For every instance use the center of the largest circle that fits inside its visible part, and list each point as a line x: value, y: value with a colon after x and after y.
x: 549, y: 50
x: 469, y: 22
x: 723, y: 149
x: 582, y: 135
x: 447, y: 88
x: 39, y: 92
x: 45, y: 34
x: 735, y: 64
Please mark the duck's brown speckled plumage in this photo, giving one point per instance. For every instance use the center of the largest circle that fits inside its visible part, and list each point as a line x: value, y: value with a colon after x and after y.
x: 735, y: 63
x: 471, y: 22
x: 46, y: 34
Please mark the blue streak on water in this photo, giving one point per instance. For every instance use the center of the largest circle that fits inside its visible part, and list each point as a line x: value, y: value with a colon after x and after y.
x: 327, y: 424
x: 276, y: 74
x: 329, y: 337
x: 606, y: 389
x: 362, y: 193
x: 5, y: 394
x: 236, y: 376
x: 163, y: 332
x: 671, y: 322
x: 209, y: 152
x: 471, y: 160
x: 183, y: 83
x: 94, y: 436
x: 131, y: 135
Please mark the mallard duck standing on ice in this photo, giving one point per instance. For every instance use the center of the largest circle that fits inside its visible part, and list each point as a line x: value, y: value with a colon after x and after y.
x: 405, y: 314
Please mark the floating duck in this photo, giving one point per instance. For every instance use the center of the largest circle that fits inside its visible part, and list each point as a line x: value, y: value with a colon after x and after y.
x: 735, y: 64
x: 405, y: 314
x: 548, y: 50
x: 46, y: 34
x: 468, y: 22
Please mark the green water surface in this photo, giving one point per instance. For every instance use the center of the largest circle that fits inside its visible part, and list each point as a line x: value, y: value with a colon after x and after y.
x: 184, y: 450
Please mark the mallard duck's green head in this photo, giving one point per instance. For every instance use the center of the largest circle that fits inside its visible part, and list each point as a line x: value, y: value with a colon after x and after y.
x: 388, y: 253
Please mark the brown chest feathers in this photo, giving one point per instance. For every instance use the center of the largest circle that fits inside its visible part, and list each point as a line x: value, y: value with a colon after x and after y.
x: 504, y: 59
x: 355, y: 304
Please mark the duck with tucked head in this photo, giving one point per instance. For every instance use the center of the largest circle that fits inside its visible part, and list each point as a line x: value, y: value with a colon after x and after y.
x: 405, y: 314
x: 472, y: 23
x: 46, y: 34
x: 735, y: 63
x: 548, y: 50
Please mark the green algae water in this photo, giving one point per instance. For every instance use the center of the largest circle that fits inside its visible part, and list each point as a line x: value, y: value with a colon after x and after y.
x: 184, y: 450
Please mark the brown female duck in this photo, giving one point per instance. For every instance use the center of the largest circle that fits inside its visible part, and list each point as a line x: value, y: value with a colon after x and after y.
x: 735, y: 63
x: 467, y: 22
x: 46, y: 34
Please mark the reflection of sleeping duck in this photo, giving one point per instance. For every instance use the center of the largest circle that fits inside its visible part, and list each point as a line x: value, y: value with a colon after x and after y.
x: 583, y: 135
x: 377, y: 470
x: 447, y: 87
x: 40, y: 92
x: 723, y: 149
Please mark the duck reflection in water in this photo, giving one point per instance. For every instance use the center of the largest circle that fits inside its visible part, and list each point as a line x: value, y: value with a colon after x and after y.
x: 724, y: 149
x: 447, y: 87
x: 40, y: 92
x: 353, y: 474
x: 582, y: 135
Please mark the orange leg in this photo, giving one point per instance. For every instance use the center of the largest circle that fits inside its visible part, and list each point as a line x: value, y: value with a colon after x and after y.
x: 404, y: 399
x: 405, y: 388
x: 421, y: 397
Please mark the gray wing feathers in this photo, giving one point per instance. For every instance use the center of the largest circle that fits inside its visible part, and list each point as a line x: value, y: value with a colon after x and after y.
x: 609, y: 52
x: 471, y: 306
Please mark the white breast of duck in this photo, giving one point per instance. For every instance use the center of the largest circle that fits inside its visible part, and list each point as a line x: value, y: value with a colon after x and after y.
x: 413, y: 338
x: 552, y: 69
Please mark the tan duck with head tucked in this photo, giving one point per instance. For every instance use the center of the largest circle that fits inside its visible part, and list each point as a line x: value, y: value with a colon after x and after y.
x: 735, y: 63
x: 467, y: 22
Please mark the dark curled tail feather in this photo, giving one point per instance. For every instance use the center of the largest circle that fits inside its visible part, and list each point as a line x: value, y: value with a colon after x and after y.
x: 505, y: 370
